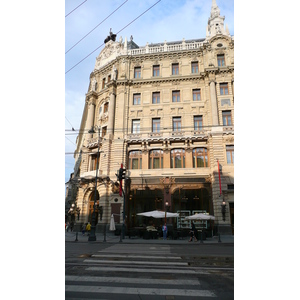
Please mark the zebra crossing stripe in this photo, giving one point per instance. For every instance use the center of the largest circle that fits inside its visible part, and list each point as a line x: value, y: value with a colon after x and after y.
x: 138, y: 256
x: 138, y: 291
x: 126, y: 262
x: 180, y: 282
x: 139, y: 270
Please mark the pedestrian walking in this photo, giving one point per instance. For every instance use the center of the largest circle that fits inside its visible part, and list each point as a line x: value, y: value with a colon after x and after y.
x: 88, y: 228
x: 165, y: 231
x: 193, y: 233
x: 72, y: 225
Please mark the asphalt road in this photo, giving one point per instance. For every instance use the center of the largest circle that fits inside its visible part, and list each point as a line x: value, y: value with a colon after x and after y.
x: 146, y: 272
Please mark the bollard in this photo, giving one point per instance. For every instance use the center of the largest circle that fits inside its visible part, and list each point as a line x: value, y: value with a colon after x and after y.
x: 76, y: 240
x: 219, y: 241
x: 104, y: 234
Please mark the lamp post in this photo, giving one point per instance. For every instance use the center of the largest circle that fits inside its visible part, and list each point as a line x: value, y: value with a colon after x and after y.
x: 92, y: 236
x: 166, y: 206
x: 223, y: 205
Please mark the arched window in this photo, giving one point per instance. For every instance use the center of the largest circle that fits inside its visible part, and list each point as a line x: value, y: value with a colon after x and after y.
x: 200, y: 158
x: 156, y: 159
x: 135, y: 160
x: 177, y: 158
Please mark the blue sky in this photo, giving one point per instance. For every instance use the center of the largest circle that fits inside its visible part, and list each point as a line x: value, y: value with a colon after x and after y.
x: 167, y: 20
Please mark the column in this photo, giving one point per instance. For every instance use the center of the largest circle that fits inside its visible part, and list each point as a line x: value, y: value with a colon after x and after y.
x: 90, y: 116
x: 111, y: 114
x: 213, y: 99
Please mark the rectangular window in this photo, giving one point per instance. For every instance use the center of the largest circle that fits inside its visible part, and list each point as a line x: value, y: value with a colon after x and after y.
x: 155, y: 71
x: 93, y: 162
x: 230, y: 154
x: 224, y: 88
x: 104, y: 131
x: 135, y: 163
x: 156, y: 98
x: 175, y: 96
x: 176, y: 123
x: 221, y: 60
x: 196, y: 95
x: 105, y: 107
x: 135, y: 126
x: 197, y: 122
x: 155, y: 125
x: 103, y: 83
x: 226, y: 117
x: 175, y: 69
x: 137, y: 72
x: 136, y: 99
x: 195, y: 67
x: 109, y: 78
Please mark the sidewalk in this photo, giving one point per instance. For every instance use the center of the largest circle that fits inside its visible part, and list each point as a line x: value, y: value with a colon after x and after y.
x: 113, y: 239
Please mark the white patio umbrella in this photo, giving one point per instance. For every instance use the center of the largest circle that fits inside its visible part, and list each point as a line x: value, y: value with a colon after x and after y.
x: 158, y: 214
x: 200, y: 217
x: 112, y: 226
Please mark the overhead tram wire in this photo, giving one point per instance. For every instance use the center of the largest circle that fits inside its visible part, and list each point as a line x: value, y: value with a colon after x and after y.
x: 75, y: 8
x: 70, y: 124
x: 117, y: 33
x: 95, y: 27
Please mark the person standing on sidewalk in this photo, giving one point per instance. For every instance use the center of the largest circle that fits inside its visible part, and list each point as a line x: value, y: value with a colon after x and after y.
x: 165, y: 231
x: 193, y: 233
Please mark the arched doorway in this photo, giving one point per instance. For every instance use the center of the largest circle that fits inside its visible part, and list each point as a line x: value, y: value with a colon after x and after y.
x: 91, y: 206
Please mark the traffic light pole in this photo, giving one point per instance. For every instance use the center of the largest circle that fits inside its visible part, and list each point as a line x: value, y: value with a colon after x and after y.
x: 120, y: 176
x: 122, y: 233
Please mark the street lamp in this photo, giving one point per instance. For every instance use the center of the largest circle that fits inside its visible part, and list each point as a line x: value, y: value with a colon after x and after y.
x: 223, y: 205
x: 166, y: 207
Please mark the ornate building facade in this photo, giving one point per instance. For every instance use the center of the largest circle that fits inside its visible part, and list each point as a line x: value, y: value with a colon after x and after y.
x: 166, y: 111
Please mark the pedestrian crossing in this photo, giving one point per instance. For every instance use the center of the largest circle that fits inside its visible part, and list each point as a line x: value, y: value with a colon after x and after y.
x: 126, y: 272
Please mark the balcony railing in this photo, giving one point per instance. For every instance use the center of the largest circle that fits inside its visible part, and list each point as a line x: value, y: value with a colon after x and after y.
x: 184, y: 134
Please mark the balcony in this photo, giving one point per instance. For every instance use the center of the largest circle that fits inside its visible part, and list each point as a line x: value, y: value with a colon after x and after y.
x: 93, y: 142
x: 167, y: 135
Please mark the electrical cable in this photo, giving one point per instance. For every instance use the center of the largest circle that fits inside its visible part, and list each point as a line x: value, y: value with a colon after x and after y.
x: 117, y: 33
x: 95, y: 27
x: 70, y: 124
x: 75, y: 8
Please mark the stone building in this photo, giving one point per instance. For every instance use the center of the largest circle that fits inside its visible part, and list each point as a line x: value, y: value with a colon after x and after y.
x: 166, y: 112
